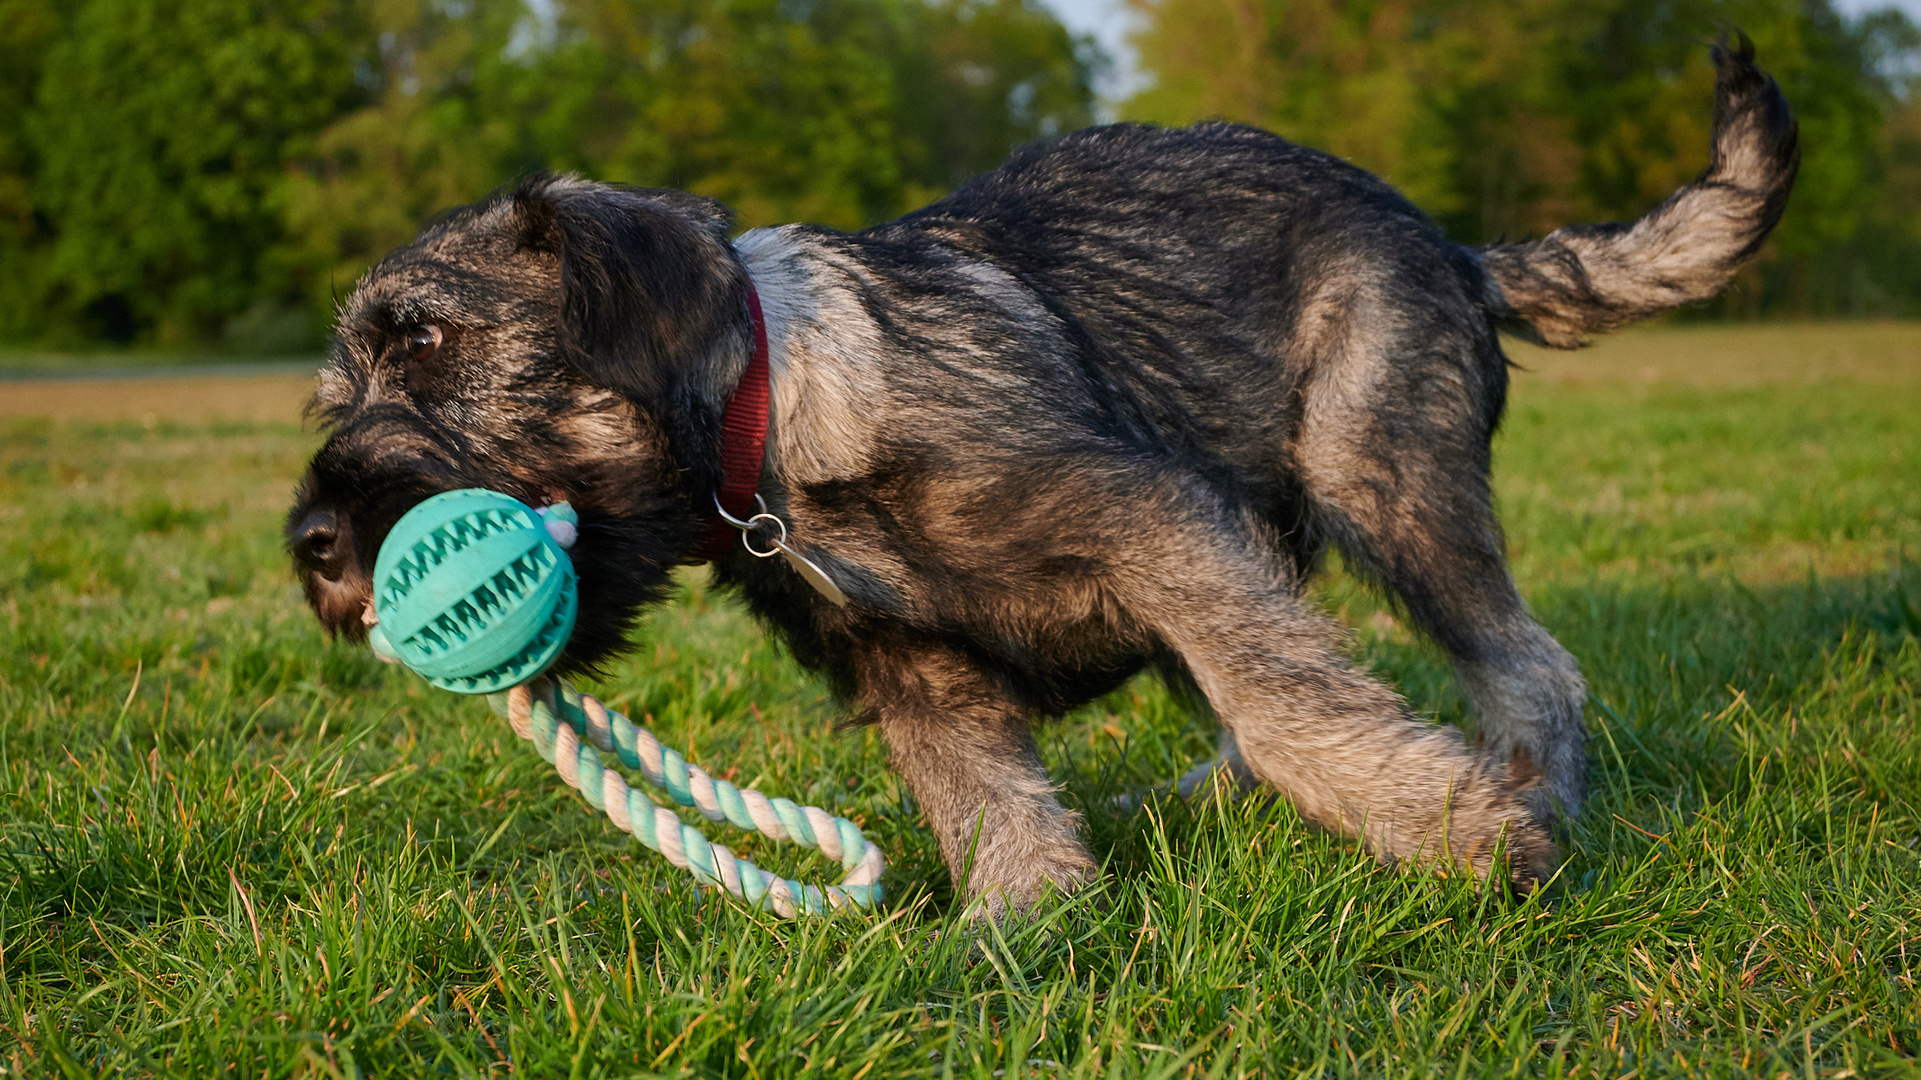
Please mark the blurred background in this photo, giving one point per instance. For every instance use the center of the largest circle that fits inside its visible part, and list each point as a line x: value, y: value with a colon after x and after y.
x: 207, y: 176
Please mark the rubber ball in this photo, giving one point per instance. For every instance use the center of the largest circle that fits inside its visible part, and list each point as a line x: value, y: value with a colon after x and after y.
x: 472, y: 591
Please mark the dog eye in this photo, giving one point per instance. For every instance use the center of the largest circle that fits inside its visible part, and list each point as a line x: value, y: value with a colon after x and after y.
x: 422, y: 340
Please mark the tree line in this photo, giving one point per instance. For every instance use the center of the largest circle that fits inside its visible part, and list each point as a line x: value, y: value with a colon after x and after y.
x: 195, y: 173
x: 1507, y: 118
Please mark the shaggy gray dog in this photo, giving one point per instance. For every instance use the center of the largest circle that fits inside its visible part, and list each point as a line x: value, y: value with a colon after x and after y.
x: 1099, y: 410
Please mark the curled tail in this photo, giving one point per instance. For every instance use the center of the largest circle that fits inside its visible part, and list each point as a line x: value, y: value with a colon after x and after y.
x: 1585, y: 279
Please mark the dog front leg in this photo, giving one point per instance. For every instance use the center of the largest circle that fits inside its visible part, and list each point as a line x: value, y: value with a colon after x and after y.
x: 967, y: 756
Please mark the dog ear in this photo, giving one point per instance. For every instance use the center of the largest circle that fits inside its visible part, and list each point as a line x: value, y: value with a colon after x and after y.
x: 649, y: 285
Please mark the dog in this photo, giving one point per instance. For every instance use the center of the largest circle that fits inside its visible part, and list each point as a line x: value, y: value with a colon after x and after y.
x: 1098, y: 411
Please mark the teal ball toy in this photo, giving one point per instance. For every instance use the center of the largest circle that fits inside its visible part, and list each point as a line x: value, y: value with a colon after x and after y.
x: 475, y: 590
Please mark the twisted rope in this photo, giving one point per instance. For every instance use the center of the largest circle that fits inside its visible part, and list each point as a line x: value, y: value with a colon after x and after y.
x: 556, y: 718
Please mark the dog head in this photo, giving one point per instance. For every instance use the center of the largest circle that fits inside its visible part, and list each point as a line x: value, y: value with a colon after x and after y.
x: 566, y: 340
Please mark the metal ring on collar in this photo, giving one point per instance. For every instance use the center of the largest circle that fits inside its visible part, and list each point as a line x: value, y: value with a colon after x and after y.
x: 734, y: 521
x: 748, y: 526
x: 746, y: 538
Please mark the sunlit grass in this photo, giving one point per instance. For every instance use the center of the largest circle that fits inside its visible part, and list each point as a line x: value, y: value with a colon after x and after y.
x: 234, y: 848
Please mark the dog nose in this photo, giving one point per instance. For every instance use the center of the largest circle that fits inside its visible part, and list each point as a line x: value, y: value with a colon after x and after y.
x: 316, y: 544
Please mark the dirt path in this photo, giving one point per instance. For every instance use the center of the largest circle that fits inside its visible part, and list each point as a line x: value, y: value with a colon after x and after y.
x: 1874, y: 354
x: 149, y: 399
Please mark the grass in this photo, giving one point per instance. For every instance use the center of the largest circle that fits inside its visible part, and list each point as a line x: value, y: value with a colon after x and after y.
x: 234, y: 849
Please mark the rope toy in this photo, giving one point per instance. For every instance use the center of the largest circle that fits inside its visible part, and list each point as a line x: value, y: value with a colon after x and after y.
x: 475, y: 591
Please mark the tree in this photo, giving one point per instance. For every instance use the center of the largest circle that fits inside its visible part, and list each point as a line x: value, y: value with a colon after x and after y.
x: 179, y: 172
x: 780, y: 109
x: 837, y: 111
x: 1505, y: 118
x: 437, y: 129
x: 978, y: 78
x: 26, y: 28
x: 842, y: 112
x: 162, y: 129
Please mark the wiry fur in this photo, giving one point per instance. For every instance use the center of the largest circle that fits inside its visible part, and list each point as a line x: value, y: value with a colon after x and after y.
x: 1587, y: 279
x: 1100, y: 409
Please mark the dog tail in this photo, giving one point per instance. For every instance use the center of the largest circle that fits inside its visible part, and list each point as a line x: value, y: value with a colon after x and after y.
x: 1586, y: 279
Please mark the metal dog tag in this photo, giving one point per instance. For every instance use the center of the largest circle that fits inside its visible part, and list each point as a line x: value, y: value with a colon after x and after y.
x: 813, y: 575
x: 802, y: 565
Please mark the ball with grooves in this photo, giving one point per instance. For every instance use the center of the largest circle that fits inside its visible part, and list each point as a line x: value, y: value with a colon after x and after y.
x: 472, y: 591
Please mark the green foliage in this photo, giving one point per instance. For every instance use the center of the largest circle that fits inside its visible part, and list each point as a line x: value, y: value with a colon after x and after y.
x: 777, y: 116
x: 1506, y: 118
x: 232, y: 847
x: 1005, y: 61
x: 438, y: 129
x: 213, y: 173
x: 163, y: 129
x: 185, y: 172
x: 26, y: 27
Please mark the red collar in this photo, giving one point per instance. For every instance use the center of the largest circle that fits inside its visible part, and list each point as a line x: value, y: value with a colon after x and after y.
x: 743, y: 442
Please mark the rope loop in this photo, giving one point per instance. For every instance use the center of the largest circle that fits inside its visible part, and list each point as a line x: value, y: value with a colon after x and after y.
x: 588, y: 744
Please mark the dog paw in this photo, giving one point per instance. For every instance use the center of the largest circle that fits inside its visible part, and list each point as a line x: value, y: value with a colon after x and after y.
x: 1483, y: 826
x: 1007, y: 896
x: 1519, y: 852
x: 1503, y: 837
x: 1531, y: 857
x: 1553, y: 795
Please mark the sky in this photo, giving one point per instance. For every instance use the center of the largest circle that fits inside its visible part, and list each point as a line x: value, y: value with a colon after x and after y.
x: 1856, y: 7
x: 1109, y: 22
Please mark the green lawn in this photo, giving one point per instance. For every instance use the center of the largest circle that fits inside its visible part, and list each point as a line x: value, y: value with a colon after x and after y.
x: 234, y: 849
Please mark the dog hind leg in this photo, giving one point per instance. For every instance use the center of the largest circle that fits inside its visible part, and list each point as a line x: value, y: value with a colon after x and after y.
x: 1341, y: 746
x: 1447, y: 569
x: 1525, y: 690
x: 1394, y: 456
x: 1226, y: 772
